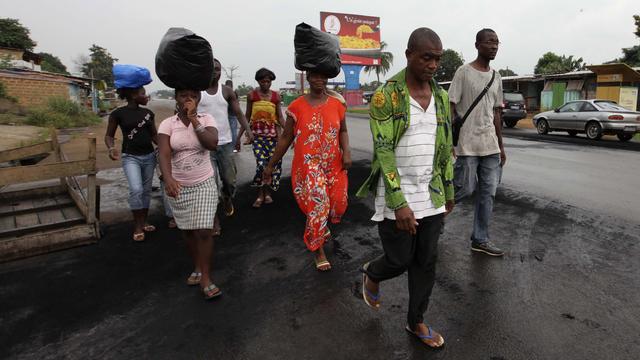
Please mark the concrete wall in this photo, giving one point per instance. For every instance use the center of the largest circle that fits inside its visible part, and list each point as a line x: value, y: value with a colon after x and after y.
x: 12, y: 54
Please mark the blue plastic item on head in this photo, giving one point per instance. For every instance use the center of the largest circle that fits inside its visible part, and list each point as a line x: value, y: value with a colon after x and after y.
x: 130, y: 76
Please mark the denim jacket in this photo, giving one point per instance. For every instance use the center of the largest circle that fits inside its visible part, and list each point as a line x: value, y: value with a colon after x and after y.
x: 389, y: 119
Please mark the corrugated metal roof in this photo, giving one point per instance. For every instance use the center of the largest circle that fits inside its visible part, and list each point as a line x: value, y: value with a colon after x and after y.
x: 44, y: 76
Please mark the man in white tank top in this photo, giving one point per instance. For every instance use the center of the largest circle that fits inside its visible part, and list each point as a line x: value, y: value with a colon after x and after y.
x: 218, y: 100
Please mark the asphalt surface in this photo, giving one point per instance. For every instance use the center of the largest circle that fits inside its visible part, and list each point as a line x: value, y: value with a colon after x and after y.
x: 562, y: 137
x: 567, y: 288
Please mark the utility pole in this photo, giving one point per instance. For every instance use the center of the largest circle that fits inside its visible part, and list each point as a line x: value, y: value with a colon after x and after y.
x: 94, y: 95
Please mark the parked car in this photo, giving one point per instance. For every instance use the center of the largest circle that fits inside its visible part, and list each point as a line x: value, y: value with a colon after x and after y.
x: 367, y: 95
x: 513, y: 108
x: 592, y: 117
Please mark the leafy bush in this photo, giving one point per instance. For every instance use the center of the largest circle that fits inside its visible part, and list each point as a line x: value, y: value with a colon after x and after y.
x: 62, y: 113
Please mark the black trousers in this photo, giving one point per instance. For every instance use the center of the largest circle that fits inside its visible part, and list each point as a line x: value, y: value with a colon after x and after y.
x: 416, y: 254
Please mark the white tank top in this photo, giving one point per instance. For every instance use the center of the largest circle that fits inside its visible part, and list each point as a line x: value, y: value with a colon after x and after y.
x: 218, y: 107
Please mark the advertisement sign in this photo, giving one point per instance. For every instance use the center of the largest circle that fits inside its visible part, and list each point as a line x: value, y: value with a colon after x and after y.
x: 359, y: 36
x: 628, y: 98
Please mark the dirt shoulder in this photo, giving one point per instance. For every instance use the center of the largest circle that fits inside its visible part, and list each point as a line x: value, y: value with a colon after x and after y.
x: 17, y: 136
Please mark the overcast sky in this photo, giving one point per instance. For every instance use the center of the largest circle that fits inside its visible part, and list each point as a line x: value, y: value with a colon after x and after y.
x: 252, y: 34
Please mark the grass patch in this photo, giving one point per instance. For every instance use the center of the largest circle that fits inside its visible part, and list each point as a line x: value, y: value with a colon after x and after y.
x: 43, y: 136
x: 12, y: 119
x: 637, y: 137
x: 62, y: 113
x: 358, y: 111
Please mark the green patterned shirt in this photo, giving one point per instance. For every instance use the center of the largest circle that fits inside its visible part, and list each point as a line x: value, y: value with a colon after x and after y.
x: 389, y: 119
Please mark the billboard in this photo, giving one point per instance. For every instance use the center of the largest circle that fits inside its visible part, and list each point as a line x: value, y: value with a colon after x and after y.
x: 359, y: 36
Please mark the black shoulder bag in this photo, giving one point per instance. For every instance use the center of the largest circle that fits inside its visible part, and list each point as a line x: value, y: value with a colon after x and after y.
x: 459, y: 121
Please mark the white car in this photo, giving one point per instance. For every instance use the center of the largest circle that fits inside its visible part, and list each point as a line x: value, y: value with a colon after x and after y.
x: 592, y: 117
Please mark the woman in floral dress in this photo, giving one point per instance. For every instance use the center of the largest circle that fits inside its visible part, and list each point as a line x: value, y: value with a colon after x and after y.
x: 316, y: 124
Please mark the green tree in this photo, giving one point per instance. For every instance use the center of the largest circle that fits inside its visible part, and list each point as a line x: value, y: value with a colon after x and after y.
x: 15, y: 35
x: 386, y: 60
x: 52, y: 63
x: 631, y: 55
x: 244, y: 89
x: 370, y: 86
x: 449, y: 63
x: 507, y: 72
x: 100, y: 66
x: 551, y: 63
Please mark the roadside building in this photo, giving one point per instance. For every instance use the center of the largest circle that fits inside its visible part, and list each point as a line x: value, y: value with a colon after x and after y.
x: 20, y: 59
x: 34, y: 88
x: 618, y: 82
x: 529, y: 85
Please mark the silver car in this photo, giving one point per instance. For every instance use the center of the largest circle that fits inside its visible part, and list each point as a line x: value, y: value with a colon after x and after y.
x: 592, y: 117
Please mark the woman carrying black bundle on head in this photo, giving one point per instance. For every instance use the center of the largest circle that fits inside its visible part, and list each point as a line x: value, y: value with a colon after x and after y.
x: 185, y: 140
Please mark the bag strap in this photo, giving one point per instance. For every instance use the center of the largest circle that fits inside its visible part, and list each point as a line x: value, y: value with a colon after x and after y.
x: 477, y: 100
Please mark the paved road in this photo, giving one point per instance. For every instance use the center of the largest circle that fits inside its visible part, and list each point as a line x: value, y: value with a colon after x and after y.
x: 566, y: 289
x: 591, y: 175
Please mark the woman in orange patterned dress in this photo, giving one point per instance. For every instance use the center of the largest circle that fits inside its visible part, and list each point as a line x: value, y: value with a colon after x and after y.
x: 316, y: 124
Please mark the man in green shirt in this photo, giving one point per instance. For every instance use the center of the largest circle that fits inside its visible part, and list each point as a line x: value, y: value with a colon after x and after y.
x: 412, y: 166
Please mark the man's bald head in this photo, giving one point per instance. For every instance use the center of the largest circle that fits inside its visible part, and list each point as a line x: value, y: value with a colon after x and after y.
x: 421, y: 35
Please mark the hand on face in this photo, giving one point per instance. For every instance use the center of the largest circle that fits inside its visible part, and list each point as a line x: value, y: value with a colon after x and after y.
x: 189, y: 107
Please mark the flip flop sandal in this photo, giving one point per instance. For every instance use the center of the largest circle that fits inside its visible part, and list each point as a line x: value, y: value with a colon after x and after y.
x: 257, y: 203
x: 194, y: 278
x: 149, y: 228
x: 369, y: 298
x: 268, y: 200
x: 138, y: 237
x: 230, y: 210
x: 322, y: 263
x: 430, y: 336
x: 211, y: 291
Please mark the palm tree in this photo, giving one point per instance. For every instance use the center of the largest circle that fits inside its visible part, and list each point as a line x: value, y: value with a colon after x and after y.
x: 386, y: 60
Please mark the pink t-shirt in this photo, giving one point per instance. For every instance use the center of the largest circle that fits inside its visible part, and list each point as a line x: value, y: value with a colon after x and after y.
x: 190, y: 163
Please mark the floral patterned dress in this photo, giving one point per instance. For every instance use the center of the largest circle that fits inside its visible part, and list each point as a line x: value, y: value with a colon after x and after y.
x: 319, y: 182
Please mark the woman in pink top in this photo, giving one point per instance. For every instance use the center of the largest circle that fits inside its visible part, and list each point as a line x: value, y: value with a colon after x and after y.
x: 185, y: 140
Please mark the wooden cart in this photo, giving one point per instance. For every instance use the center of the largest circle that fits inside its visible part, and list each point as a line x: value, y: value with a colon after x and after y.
x: 43, y: 208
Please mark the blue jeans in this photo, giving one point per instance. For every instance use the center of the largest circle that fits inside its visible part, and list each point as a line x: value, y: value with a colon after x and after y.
x: 139, y: 170
x: 480, y: 174
x: 165, y: 203
x: 225, y: 168
x: 233, y: 123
